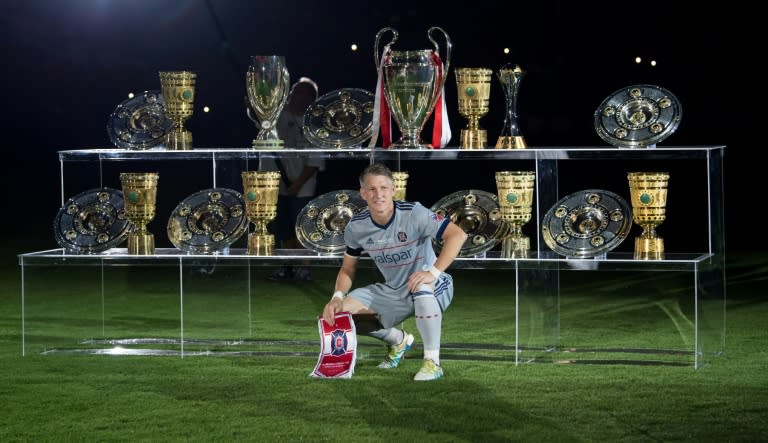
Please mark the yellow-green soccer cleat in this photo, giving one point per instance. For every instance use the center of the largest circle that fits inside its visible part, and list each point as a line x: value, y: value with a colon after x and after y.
x: 429, y: 371
x: 396, y: 353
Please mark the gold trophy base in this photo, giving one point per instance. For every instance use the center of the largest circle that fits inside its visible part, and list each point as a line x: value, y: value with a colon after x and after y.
x: 267, y: 144
x: 179, y: 141
x: 515, y: 247
x: 474, y: 139
x: 261, y: 244
x: 511, y: 142
x: 649, y: 248
x: 141, y: 244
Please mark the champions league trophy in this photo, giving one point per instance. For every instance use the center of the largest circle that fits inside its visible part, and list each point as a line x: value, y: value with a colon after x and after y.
x: 268, y: 84
x: 515, y: 190
x: 412, y: 83
x: 474, y: 87
x: 401, y: 181
x: 260, y: 194
x: 179, y: 95
x: 140, y: 197
x: 510, y: 138
x: 648, y: 191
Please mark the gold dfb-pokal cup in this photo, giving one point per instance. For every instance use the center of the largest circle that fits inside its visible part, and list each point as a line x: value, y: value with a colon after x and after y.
x: 400, y: 179
x: 412, y: 82
x: 178, y: 89
x: 260, y: 190
x: 648, y: 192
x: 140, y: 201
x: 515, y: 192
x: 510, y: 77
x: 267, y: 83
x: 474, y: 90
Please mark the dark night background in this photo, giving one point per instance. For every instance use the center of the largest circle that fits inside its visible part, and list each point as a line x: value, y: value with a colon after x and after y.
x: 68, y: 63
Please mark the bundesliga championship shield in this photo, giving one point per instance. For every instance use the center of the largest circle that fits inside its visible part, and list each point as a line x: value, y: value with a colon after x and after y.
x: 338, y: 348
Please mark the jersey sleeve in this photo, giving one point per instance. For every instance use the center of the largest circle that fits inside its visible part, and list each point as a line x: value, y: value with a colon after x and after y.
x: 430, y: 223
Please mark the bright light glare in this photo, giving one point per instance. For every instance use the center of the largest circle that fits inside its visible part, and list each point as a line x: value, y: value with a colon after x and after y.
x: 130, y: 95
x: 506, y: 50
x: 653, y: 62
x: 638, y: 60
x: 206, y: 109
x: 354, y: 47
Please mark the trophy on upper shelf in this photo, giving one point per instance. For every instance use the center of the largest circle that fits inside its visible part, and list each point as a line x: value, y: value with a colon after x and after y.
x: 638, y: 116
x: 648, y: 191
x: 413, y: 83
x: 268, y: 85
x: 260, y: 194
x: 474, y: 88
x: 515, y: 189
x: 401, y: 182
x: 140, y: 199
x: 178, y: 96
x: 510, y: 77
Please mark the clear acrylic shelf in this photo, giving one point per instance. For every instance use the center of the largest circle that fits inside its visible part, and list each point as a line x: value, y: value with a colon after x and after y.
x: 84, y: 293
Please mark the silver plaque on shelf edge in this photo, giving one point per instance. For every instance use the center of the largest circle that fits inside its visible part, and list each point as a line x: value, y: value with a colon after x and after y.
x: 478, y: 214
x: 92, y: 221
x: 340, y: 119
x: 587, y: 223
x: 638, y: 116
x: 139, y: 122
x: 320, y: 224
x: 208, y: 221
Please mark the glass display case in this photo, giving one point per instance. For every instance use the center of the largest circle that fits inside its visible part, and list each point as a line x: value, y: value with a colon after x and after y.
x: 86, y: 295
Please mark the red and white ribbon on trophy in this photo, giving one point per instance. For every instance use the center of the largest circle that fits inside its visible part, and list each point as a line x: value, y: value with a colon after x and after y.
x: 441, y: 129
x: 338, y: 348
x: 381, y: 117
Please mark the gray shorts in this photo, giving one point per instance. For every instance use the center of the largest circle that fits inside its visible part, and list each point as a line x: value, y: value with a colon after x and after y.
x: 396, y: 305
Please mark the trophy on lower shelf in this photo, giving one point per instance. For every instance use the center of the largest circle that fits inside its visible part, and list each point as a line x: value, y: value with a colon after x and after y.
x: 140, y: 199
x: 648, y: 191
x: 515, y: 189
x: 401, y: 182
x: 260, y: 190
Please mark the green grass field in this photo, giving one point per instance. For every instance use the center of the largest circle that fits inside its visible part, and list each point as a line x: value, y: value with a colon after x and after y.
x: 622, y: 372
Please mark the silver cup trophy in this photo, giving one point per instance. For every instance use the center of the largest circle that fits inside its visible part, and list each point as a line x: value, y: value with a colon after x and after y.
x: 267, y: 83
x: 412, y: 82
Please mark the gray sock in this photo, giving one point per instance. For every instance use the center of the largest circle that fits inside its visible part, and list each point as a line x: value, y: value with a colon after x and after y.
x: 429, y: 320
x: 390, y: 336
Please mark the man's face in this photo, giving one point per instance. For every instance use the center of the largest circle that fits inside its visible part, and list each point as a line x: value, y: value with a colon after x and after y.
x: 378, y: 191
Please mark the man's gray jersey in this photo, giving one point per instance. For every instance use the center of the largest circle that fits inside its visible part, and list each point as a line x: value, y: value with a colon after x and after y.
x: 402, y: 246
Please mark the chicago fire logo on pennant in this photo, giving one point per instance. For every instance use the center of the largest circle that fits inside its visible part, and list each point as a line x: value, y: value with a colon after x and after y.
x: 338, y: 348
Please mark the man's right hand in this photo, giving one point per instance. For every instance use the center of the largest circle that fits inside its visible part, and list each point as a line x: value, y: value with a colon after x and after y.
x: 331, y: 308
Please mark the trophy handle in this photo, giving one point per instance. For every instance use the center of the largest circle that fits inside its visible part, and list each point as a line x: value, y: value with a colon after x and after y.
x: 248, y: 112
x: 448, y: 45
x: 286, y: 85
x: 376, y: 55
